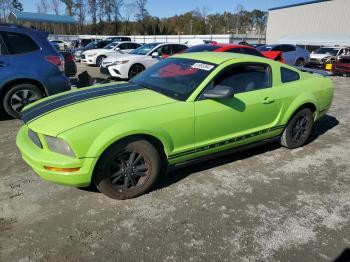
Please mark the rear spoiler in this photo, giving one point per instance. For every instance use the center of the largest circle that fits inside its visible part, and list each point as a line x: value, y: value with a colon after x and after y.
x: 312, y: 71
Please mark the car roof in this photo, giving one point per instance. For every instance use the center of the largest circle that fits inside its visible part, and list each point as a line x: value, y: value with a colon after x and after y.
x: 213, y: 57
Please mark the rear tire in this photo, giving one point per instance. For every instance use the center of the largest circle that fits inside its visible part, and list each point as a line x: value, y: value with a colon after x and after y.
x: 19, y: 96
x: 298, y: 129
x: 128, y: 169
x: 300, y: 62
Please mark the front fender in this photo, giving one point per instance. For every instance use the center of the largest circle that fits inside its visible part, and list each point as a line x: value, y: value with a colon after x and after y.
x: 118, y: 132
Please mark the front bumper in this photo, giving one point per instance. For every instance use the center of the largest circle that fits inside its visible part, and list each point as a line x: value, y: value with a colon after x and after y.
x: 119, y: 71
x: 37, y: 158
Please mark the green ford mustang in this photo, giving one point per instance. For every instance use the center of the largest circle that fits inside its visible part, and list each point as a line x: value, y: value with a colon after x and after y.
x: 186, y: 108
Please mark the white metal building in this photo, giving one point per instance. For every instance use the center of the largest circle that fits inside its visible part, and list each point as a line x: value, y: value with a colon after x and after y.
x: 306, y: 20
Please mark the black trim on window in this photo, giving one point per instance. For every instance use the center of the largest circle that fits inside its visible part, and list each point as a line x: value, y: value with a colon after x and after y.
x: 288, y: 75
x: 270, y: 80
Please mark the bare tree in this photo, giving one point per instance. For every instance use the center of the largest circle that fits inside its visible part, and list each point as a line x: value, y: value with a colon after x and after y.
x: 116, y: 6
x: 239, y: 10
x: 69, y: 6
x: 129, y: 12
x: 5, y: 9
x: 142, y: 14
x: 55, y: 6
x: 42, y: 6
x: 80, y: 11
x: 93, y: 12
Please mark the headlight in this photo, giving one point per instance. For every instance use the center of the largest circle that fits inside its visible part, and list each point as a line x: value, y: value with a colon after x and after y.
x: 120, y: 62
x: 58, y: 145
x: 35, y: 138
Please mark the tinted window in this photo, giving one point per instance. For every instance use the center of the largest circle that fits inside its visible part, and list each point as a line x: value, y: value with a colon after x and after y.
x: 327, y: 51
x: 276, y: 48
x: 143, y: 50
x: 201, y: 48
x: 123, y: 46
x: 288, y: 75
x: 288, y: 48
x: 246, y: 77
x: 102, y: 44
x: 133, y: 45
x: 18, y: 43
x: 3, y: 50
x: 178, y: 48
x: 251, y: 51
x: 164, y: 50
x: 234, y: 50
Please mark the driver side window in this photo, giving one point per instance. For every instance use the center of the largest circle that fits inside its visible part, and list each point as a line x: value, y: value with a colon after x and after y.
x: 164, y: 50
x: 245, y: 77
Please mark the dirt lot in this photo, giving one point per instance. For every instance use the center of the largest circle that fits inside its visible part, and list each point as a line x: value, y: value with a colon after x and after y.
x: 266, y: 204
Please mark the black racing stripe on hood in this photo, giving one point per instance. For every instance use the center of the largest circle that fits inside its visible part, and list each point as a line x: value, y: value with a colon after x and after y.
x: 71, y: 94
x: 72, y: 98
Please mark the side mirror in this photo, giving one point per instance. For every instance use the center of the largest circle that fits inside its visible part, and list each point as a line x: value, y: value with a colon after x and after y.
x: 155, y: 54
x: 219, y: 92
x: 117, y: 49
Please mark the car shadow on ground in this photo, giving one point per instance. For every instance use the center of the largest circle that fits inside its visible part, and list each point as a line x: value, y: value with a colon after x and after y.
x: 321, y: 127
x: 344, y: 256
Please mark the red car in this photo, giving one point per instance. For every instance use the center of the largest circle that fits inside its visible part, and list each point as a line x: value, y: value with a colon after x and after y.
x: 241, y: 49
x: 341, y: 66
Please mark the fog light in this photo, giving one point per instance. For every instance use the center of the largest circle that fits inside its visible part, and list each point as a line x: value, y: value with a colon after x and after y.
x: 61, y: 169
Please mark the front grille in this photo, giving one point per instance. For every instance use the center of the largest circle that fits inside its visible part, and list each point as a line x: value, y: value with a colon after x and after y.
x: 104, y: 70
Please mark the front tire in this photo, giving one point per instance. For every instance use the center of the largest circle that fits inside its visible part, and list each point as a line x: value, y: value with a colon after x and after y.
x: 135, y: 70
x: 128, y: 169
x: 298, y: 129
x: 19, y: 96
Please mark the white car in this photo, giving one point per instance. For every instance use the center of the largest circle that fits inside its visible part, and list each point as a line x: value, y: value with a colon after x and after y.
x: 61, y: 44
x: 127, y: 66
x: 96, y: 56
x: 317, y: 56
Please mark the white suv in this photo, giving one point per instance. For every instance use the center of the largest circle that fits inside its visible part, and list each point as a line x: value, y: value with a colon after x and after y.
x: 127, y: 66
x: 96, y: 56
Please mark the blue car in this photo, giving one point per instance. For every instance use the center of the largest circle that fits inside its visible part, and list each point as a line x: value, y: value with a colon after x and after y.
x: 30, y: 68
x: 292, y: 55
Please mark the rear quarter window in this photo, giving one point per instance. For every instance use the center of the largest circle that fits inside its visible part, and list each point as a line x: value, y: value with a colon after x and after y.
x: 18, y: 43
x: 288, y: 75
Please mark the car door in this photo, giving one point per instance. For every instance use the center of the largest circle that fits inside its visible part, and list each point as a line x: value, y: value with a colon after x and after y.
x: 289, y: 54
x: 6, y: 68
x: 254, y: 108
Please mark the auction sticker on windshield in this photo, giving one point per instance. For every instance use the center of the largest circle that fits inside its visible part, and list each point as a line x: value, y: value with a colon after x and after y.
x: 202, y: 66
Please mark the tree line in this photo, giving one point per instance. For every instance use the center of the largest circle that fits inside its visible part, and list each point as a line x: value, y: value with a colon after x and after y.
x: 118, y: 17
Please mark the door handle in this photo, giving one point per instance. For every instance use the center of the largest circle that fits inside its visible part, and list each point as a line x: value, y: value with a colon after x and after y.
x: 268, y: 100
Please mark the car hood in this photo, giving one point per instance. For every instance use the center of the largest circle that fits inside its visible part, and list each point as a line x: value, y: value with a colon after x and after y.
x: 319, y: 56
x: 126, y: 56
x: 90, y: 51
x: 57, y: 114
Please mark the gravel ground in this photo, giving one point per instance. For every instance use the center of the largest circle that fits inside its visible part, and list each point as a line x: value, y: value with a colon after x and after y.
x: 265, y: 204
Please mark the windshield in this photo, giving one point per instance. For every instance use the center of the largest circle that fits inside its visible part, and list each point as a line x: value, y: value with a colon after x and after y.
x: 264, y: 48
x: 111, y: 46
x: 143, y: 50
x: 91, y: 45
x: 327, y: 51
x: 201, y: 48
x: 175, y: 77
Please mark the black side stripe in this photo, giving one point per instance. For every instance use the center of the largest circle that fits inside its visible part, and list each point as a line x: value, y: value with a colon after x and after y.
x: 72, y: 98
x: 225, y: 142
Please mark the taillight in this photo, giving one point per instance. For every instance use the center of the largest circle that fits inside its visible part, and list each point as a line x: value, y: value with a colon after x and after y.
x: 56, y: 60
x: 70, y: 58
